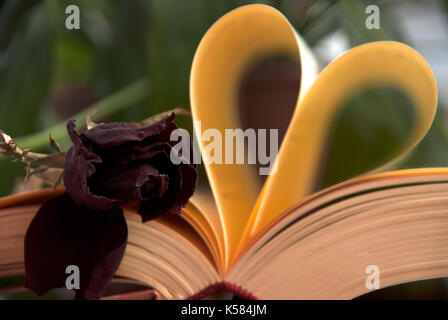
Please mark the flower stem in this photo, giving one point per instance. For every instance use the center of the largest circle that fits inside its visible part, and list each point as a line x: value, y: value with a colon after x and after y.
x: 113, y: 103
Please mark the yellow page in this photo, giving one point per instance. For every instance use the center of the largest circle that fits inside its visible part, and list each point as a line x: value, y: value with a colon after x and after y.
x: 237, y: 40
x: 251, y: 33
x: 386, y: 62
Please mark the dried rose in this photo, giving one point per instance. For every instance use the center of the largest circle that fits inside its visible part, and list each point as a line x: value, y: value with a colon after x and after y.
x: 118, y: 163
x: 108, y: 166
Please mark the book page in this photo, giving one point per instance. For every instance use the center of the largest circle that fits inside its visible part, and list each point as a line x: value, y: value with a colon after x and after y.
x: 220, y: 63
x: 386, y: 62
x: 321, y: 248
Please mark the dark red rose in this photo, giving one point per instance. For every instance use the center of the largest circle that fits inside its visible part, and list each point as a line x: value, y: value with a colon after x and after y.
x: 118, y: 163
x: 62, y: 234
x: 108, y: 166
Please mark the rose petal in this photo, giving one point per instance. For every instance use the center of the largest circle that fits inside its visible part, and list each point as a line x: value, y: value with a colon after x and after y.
x: 182, y: 182
x: 117, y: 133
x: 79, y: 166
x: 135, y: 151
x: 157, y: 207
x: 128, y: 183
x: 62, y: 234
x: 189, y: 179
x: 129, y: 153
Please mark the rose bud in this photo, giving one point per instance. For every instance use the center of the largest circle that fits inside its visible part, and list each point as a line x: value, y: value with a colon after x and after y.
x: 119, y: 163
x: 109, y: 165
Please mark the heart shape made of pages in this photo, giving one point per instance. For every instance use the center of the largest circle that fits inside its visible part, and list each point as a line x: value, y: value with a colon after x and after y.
x: 252, y: 33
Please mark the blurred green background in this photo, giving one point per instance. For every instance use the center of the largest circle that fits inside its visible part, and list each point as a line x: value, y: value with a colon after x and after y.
x: 131, y: 60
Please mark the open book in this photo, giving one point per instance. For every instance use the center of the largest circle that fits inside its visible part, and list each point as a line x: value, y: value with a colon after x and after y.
x: 282, y: 237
